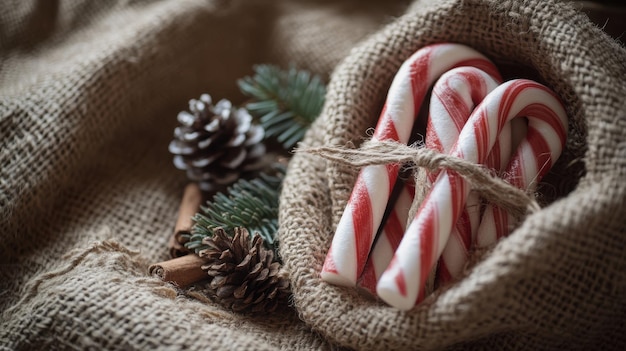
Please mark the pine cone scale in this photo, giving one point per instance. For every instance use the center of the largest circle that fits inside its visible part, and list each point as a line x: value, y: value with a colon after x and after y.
x: 213, y: 126
x: 263, y: 275
x: 218, y: 281
x: 241, y: 243
x: 181, y: 148
x: 186, y: 119
x: 225, y: 291
x: 259, y: 299
x: 245, y: 263
x: 255, y: 270
x: 272, y: 293
x: 226, y: 255
x: 240, y: 292
x: 274, y: 267
x: 234, y: 160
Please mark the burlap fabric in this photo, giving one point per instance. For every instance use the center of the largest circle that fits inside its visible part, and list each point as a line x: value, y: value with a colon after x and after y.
x: 89, y: 91
x: 559, y: 280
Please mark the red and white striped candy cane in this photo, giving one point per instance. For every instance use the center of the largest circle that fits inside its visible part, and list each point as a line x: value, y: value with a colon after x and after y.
x: 534, y: 157
x: 456, y: 251
x: 362, y: 216
x: 389, y: 239
x: 423, y: 241
x: 453, y: 99
x: 496, y: 224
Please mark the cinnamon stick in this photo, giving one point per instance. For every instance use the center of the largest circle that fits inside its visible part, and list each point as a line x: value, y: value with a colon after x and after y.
x: 176, y: 248
x: 189, y: 205
x: 182, y: 271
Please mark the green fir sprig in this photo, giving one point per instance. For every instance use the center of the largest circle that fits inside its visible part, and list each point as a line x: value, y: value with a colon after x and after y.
x: 252, y: 204
x: 285, y: 101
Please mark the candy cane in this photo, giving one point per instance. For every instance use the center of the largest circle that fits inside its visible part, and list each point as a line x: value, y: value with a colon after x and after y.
x: 457, y: 249
x: 423, y: 241
x: 534, y: 157
x: 453, y: 99
x: 388, y: 240
x: 362, y: 216
x: 496, y: 224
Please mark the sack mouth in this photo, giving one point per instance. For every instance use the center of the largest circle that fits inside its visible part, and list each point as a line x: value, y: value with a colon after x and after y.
x: 558, y: 183
x: 546, y: 41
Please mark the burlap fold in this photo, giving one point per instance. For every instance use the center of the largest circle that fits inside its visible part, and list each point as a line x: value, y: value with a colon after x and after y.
x: 559, y: 280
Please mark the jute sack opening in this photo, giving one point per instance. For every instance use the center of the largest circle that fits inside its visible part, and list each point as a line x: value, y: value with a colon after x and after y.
x: 559, y: 280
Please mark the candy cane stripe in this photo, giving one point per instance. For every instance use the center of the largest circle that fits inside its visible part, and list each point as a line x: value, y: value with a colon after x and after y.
x: 419, y: 74
x: 388, y: 240
x: 362, y: 221
x: 400, y: 281
x: 427, y: 243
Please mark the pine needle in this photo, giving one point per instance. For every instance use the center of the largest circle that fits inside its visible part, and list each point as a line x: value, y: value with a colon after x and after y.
x: 252, y: 204
x: 285, y: 101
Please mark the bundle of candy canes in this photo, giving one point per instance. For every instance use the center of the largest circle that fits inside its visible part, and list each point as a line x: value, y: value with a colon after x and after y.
x: 517, y: 128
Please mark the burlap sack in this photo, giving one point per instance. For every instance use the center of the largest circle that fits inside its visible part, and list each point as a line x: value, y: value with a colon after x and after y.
x: 559, y: 280
x: 89, y: 91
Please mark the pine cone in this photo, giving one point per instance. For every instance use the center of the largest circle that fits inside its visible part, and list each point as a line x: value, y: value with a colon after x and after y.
x: 244, y: 274
x: 215, y: 143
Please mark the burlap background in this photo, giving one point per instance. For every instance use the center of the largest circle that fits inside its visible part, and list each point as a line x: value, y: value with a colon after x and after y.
x: 88, y: 195
x: 559, y: 280
x: 89, y: 91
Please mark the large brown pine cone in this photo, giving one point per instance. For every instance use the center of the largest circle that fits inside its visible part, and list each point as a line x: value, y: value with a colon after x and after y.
x: 244, y: 274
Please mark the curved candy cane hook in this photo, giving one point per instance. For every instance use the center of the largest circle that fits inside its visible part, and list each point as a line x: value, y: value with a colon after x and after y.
x: 534, y: 157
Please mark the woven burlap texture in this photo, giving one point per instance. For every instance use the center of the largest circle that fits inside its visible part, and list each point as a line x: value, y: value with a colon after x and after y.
x: 559, y: 280
x: 89, y: 92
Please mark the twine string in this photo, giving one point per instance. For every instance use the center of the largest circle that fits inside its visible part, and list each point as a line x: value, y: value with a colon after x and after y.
x: 491, y: 187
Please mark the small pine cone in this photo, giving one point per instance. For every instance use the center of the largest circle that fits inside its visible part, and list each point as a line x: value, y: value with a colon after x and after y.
x: 244, y: 275
x: 214, y: 144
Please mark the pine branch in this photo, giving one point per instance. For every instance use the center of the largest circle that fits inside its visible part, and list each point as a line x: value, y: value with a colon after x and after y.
x: 250, y: 204
x: 286, y: 101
